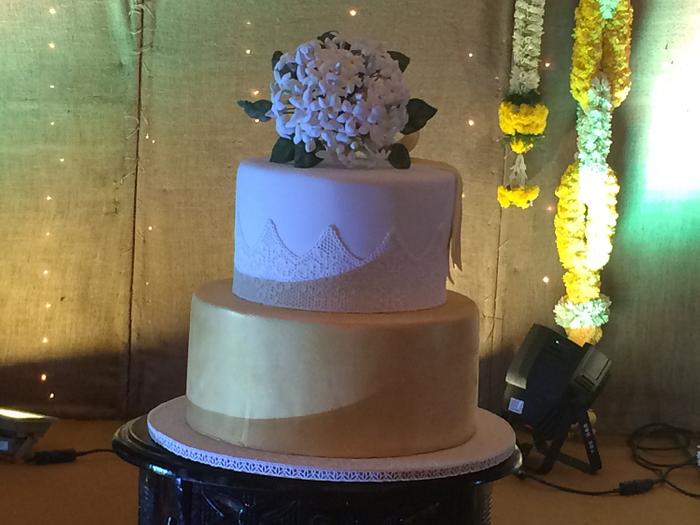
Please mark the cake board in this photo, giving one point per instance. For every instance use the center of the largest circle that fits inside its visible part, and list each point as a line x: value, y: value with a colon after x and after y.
x: 492, y: 444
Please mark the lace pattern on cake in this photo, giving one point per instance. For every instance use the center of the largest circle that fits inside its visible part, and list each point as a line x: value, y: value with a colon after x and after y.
x: 270, y: 258
x: 283, y: 470
x: 390, y: 279
x: 329, y: 277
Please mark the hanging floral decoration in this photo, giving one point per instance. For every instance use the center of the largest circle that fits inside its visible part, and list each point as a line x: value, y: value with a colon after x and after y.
x: 602, y: 43
x: 521, y: 116
x: 586, y: 211
x: 520, y: 196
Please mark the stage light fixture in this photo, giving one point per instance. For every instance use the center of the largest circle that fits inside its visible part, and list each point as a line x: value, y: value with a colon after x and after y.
x: 550, y: 385
x: 19, y: 431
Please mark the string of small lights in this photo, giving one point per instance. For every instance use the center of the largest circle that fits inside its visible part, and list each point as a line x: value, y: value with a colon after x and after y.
x: 44, y: 376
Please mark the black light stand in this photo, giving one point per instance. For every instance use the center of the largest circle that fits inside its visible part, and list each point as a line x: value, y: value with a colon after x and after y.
x: 550, y: 449
x: 550, y: 385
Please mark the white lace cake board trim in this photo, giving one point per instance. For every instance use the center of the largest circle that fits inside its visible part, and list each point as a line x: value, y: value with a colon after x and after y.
x: 493, y: 443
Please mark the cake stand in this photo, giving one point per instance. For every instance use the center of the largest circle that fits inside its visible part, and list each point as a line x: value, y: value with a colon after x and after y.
x: 187, y: 478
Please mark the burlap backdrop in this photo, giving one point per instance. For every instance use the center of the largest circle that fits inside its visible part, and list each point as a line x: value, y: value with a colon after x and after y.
x: 142, y: 112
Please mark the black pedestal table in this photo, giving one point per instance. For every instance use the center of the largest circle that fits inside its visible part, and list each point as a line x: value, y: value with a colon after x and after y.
x: 232, y: 485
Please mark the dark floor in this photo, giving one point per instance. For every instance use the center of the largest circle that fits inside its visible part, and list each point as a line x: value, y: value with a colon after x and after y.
x: 102, y: 489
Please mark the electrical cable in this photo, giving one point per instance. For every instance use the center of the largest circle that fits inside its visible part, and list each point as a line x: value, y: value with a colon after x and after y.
x: 94, y: 451
x: 522, y: 474
x: 68, y: 455
x: 642, y: 449
x: 644, y: 442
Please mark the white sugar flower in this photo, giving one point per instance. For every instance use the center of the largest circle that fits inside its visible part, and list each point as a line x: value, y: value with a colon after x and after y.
x: 343, y: 99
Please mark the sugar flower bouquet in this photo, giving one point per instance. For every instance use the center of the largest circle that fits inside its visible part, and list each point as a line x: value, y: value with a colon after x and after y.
x: 340, y: 99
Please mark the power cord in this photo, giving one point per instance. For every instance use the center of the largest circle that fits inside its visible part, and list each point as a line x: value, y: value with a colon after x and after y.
x: 647, y: 440
x: 654, y: 438
x: 68, y: 455
x: 625, y: 488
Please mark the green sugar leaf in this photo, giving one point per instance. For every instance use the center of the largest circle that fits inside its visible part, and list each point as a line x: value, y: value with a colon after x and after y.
x: 304, y: 159
x: 257, y: 109
x: 327, y: 35
x: 419, y: 113
x: 402, y: 59
x: 276, y: 58
x: 282, y: 151
x: 399, y: 157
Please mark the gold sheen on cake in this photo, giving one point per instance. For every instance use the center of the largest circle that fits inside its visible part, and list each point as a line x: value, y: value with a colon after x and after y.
x: 336, y: 336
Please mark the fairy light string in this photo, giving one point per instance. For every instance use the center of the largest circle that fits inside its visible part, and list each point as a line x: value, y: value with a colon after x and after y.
x: 46, y: 306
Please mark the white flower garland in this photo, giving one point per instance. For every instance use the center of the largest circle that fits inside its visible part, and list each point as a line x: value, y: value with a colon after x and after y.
x: 597, y: 184
x: 528, y: 27
x: 580, y: 315
x: 594, y: 127
x: 344, y: 99
x: 518, y: 172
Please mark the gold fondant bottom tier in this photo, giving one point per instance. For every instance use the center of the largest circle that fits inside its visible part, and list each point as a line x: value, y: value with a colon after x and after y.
x: 332, y: 384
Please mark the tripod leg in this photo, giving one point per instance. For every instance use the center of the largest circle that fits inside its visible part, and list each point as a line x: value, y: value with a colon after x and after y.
x: 589, y: 442
x: 551, y: 454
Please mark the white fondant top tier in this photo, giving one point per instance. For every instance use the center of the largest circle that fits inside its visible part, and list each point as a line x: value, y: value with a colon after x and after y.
x: 331, y: 229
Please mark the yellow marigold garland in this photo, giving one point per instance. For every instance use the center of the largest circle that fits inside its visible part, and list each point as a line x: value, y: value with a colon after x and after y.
x: 521, y: 145
x: 587, y: 52
x: 583, y: 235
x: 522, y: 119
x: 587, y: 334
x: 601, y: 45
x: 617, y: 43
x: 520, y: 196
x: 601, y: 218
x: 586, y: 215
x: 570, y: 220
x: 582, y: 285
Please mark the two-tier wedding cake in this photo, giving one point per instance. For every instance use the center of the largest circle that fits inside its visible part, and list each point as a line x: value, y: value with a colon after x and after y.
x: 336, y: 336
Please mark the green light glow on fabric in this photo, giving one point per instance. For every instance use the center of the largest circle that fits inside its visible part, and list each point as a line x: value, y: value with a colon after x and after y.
x: 657, y: 149
x: 672, y: 171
